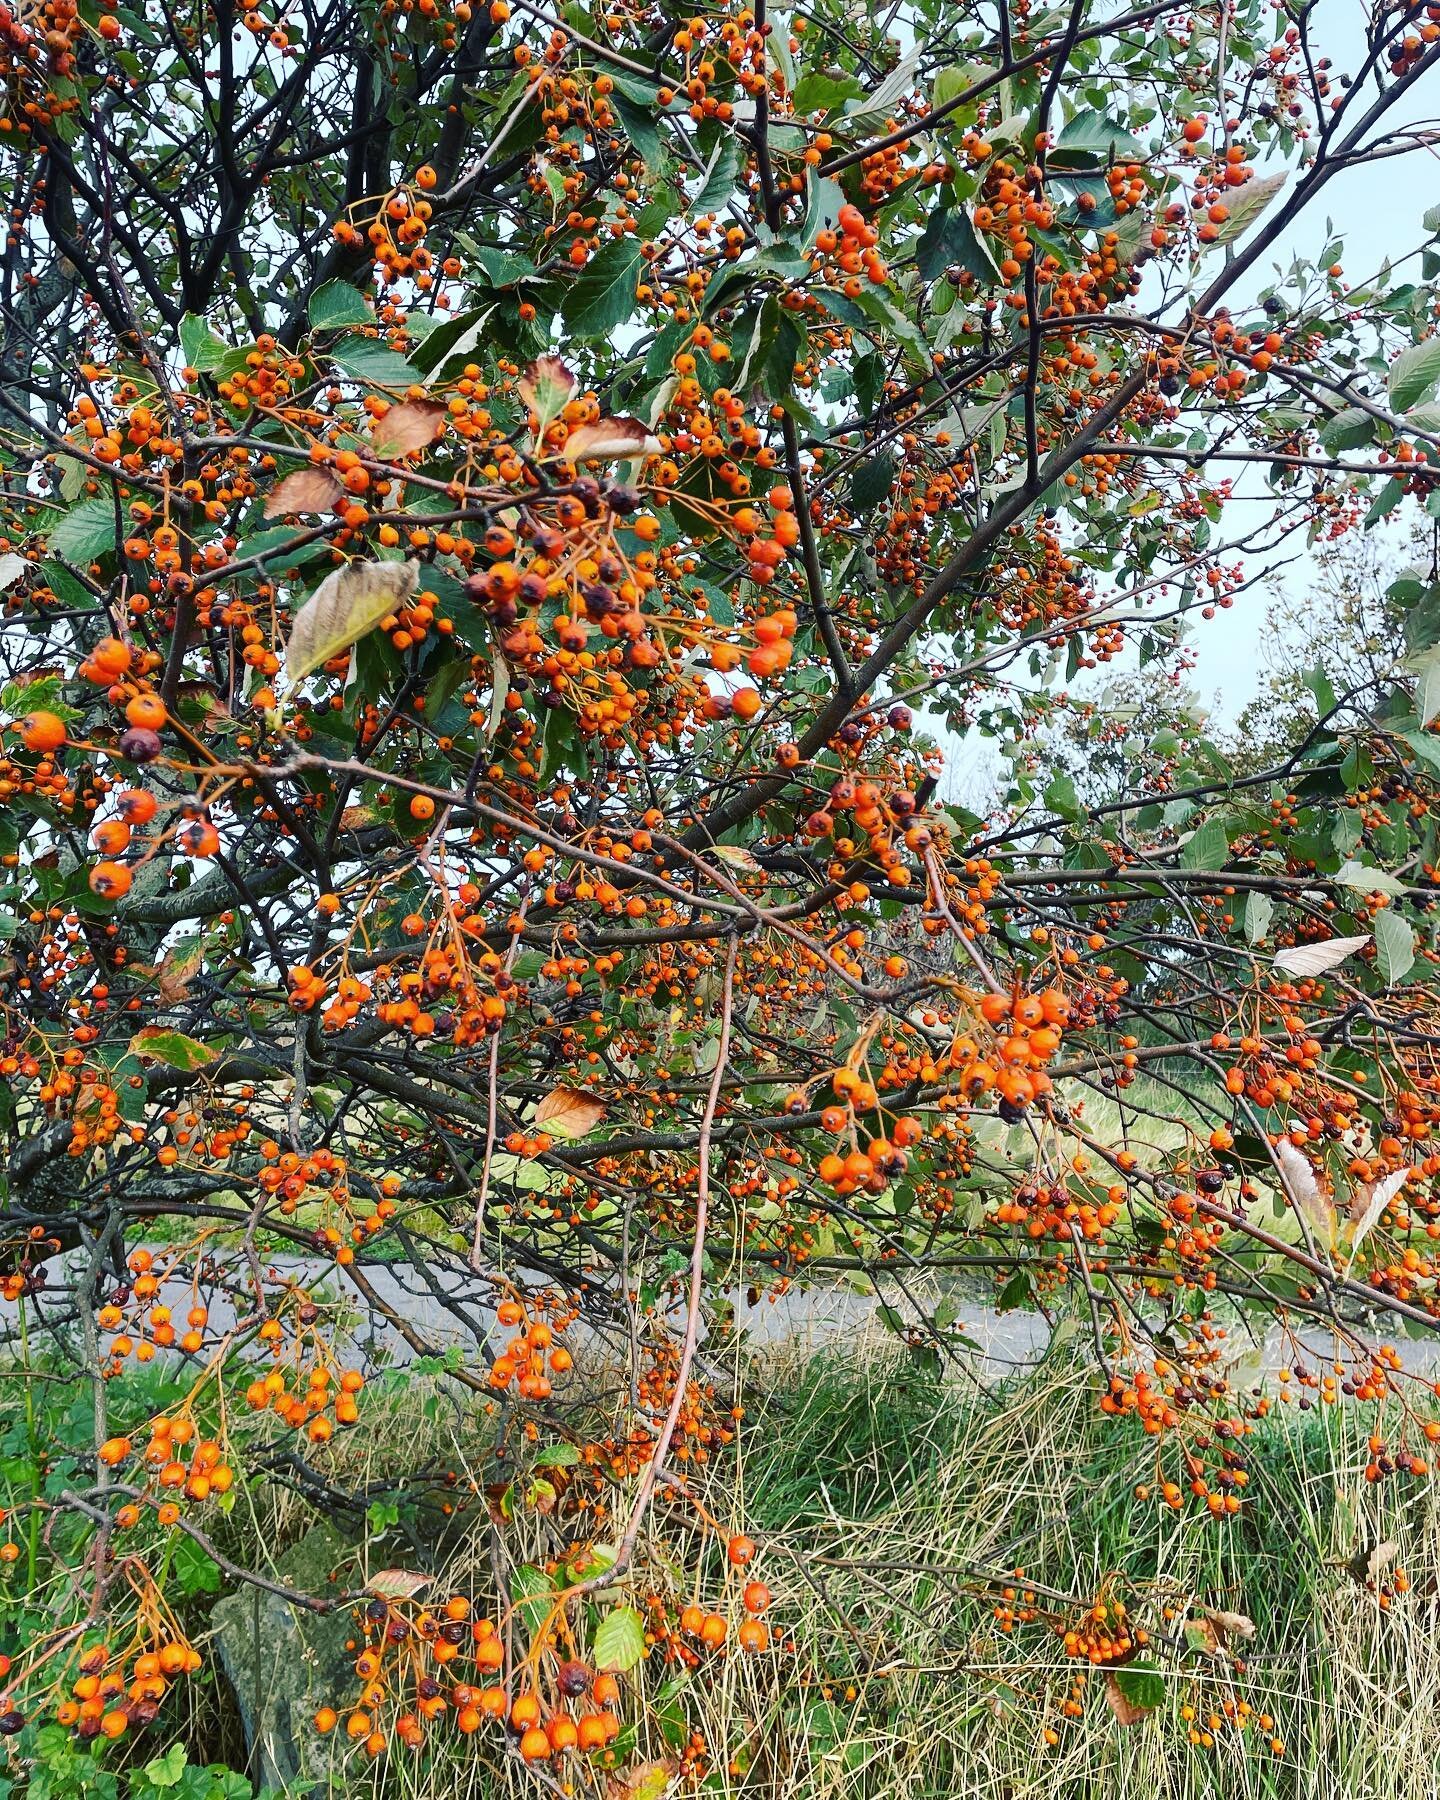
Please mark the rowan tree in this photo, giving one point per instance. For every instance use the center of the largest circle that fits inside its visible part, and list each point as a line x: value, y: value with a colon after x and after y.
x: 503, y: 513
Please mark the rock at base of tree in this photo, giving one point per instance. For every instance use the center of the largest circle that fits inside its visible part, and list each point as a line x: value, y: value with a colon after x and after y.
x: 283, y: 1663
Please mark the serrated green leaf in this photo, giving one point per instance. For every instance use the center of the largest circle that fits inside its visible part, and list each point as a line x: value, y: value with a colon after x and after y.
x: 374, y: 363
x: 950, y: 238
x: 336, y: 304
x: 1347, y: 429
x: 1414, y: 374
x: 1394, y: 947
x: 85, y: 532
x: 872, y: 482
x: 199, y: 345
x: 718, y: 182
x: 172, y: 1048
x: 619, y: 1640
x: 1207, y: 848
x: 602, y: 296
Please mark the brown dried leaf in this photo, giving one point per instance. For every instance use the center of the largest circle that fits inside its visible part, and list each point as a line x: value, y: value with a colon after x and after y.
x: 177, y: 970
x: 1371, y: 1559
x: 608, y: 440
x: 567, y: 1113
x: 309, y: 490
x: 1230, y: 1624
x: 545, y: 387
x: 347, y: 604
x: 396, y: 1584
x: 410, y: 426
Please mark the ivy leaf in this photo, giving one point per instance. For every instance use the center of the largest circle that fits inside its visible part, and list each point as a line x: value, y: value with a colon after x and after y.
x: 1415, y: 374
x: 347, y: 604
x: 603, y: 294
x: 1394, y: 947
x: 336, y: 304
x: 172, y: 1048
x: 619, y: 1640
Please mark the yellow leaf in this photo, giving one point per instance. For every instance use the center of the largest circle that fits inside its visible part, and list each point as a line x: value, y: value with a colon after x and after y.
x: 347, y: 604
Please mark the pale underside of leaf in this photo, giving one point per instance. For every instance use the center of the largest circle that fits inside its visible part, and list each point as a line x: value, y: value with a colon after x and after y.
x: 608, y: 440
x: 567, y: 1113
x: 309, y: 490
x: 1306, y: 960
x: 1370, y: 1201
x: 347, y: 604
x: 1304, y: 1188
x: 411, y: 425
x: 396, y: 1584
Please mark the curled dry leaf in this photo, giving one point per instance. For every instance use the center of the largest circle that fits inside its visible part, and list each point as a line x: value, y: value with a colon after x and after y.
x: 396, y: 1584
x: 178, y: 969
x: 1370, y: 1200
x: 309, y: 490
x: 1307, y: 960
x: 545, y: 387
x: 567, y: 1113
x: 1304, y: 1188
x: 1230, y: 1624
x: 1370, y: 1560
x: 346, y: 605
x: 410, y: 425
x: 610, y: 440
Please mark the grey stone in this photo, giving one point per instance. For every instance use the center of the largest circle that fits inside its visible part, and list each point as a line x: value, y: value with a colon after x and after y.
x: 283, y: 1663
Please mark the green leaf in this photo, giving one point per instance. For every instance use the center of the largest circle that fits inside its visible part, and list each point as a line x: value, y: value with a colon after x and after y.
x: 199, y: 345
x: 374, y: 363
x: 1394, y: 947
x: 1060, y: 797
x: 1089, y: 141
x: 336, y: 304
x: 1259, y: 911
x: 172, y: 1048
x: 1141, y: 1684
x: 557, y: 1456
x: 718, y: 182
x: 819, y: 92
x: 1427, y: 687
x: 85, y: 532
x: 166, y: 1770
x: 619, y: 1640
x: 532, y: 1590
x: 876, y: 304
x: 41, y: 695
x: 1415, y: 374
x: 603, y: 294
x: 950, y: 238
x: 640, y: 126
x: 1347, y: 429
x: 1207, y: 848
x: 872, y: 482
